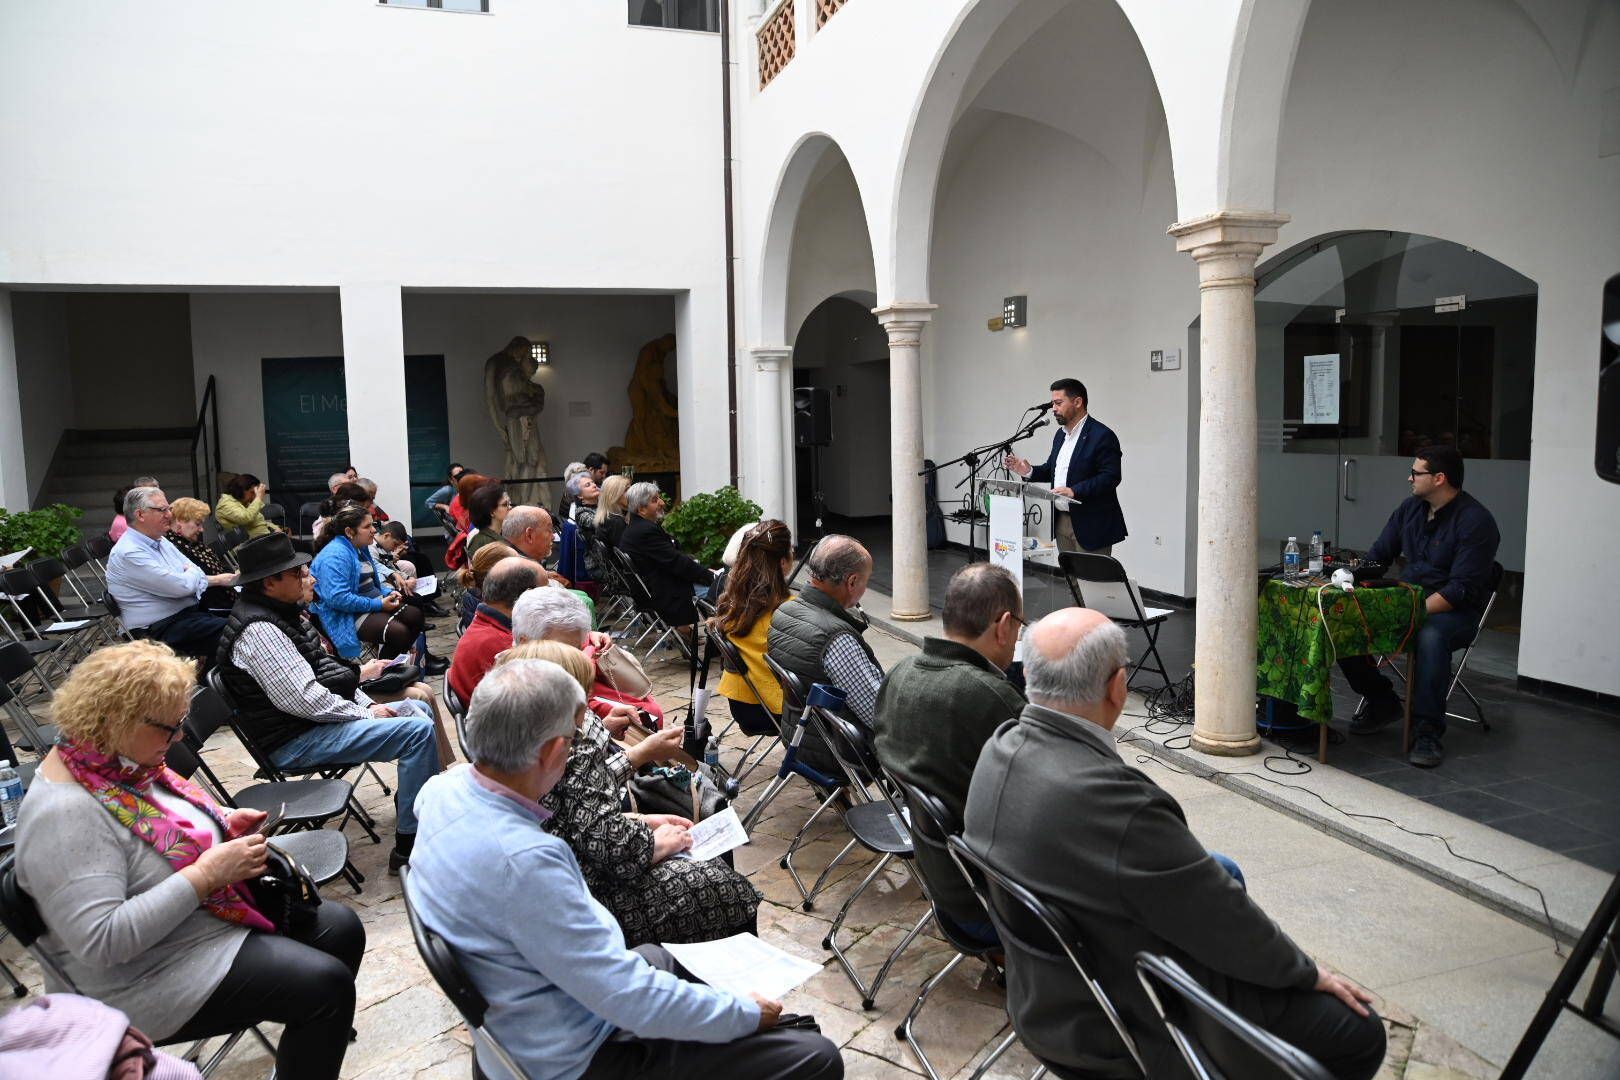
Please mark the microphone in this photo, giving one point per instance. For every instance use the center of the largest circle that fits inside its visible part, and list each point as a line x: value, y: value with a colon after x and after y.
x: 1045, y: 406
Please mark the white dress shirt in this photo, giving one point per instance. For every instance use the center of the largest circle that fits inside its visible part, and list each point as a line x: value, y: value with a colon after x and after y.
x: 151, y: 579
x: 1071, y: 437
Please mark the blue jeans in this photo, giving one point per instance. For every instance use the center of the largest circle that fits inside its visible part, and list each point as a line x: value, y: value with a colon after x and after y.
x: 405, y: 739
x: 1442, y: 633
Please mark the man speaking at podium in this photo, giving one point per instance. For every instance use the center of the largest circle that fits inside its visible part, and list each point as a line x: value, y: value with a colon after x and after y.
x: 1086, y: 455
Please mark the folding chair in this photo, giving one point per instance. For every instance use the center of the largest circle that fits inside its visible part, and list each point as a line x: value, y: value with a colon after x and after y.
x: 310, y: 802
x: 78, y: 636
x: 77, y: 560
x: 641, y: 597
x: 1215, y: 1041
x: 234, y: 537
x: 307, y: 515
x: 20, y: 915
x: 932, y: 826
x: 99, y: 546
x: 617, y: 592
x: 1116, y: 595
x: 8, y: 840
x: 72, y: 604
x: 733, y: 661
x: 1017, y: 912
x: 17, y: 663
x: 37, y: 738
x: 1468, y: 650
x: 275, y: 773
x: 458, y: 712
x: 453, y: 981
x: 878, y: 825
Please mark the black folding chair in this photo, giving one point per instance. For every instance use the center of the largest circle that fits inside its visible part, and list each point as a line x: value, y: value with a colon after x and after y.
x: 458, y: 712
x: 20, y: 916
x: 17, y: 663
x: 78, y: 636
x: 1116, y: 596
x: 1018, y: 914
x: 732, y: 659
x: 932, y: 826
x: 453, y: 981
x: 641, y: 597
x: 35, y: 737
x: 1216, y: 1042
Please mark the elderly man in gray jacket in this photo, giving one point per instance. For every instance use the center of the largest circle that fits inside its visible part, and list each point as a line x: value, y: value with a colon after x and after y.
x: 1052, y: 805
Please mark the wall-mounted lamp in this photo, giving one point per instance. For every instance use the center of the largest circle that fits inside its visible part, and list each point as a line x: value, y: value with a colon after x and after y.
x: 1015, y: 312
x: 541, y: 351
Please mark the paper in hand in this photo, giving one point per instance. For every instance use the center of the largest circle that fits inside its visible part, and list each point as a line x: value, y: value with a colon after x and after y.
x: 743, y: 964
x: 714, y: 836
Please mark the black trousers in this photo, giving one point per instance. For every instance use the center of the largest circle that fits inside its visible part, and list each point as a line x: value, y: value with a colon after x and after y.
x: 192, y: 632
x: 392, y: 633
x: 782, y: 1054
x: 1350, y: 1047
x: 305, y: 982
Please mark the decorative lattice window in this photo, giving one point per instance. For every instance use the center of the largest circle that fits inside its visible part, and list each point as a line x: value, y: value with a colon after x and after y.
x: 826, y: 9
x: 776, y: 43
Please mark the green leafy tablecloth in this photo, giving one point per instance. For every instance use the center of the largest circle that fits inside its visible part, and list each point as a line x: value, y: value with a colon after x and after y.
x: 1295, y: 657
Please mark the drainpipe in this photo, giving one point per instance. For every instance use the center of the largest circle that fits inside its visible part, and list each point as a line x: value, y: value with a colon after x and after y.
x: 731, y: 262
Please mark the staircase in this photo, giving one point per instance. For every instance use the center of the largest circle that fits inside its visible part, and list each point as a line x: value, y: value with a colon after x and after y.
x: 91, y: 465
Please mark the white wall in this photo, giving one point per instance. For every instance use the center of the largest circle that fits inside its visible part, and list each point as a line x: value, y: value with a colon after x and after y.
x: 44, y: 379
x: 1391, y: 123
x: 307, y: 143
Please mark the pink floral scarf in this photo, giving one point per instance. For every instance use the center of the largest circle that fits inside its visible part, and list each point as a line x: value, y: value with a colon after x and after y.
x: 122, y: 790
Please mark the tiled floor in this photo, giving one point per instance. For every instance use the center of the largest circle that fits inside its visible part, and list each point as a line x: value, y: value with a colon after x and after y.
x: 1547, y: 772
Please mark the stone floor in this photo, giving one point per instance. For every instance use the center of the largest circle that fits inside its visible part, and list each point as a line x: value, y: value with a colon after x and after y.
x: 1457, y: 982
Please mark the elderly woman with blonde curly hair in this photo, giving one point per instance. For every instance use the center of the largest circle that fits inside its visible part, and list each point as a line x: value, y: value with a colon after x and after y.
x: 140, y: 878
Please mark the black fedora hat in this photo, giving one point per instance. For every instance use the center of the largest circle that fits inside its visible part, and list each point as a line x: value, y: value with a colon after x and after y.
x: 266, y: 555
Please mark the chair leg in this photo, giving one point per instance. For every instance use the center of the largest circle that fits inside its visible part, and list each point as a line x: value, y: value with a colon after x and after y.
x: 17, y: 988
x: 904, y: 1030
x: 869, y: 993
x: 823, y: 877
x: 740, y: 773
x: 1152, y: 635
x: 786, y: 862
x: 367, y: 767
x: 1001, y: 1048
x: 766, y: 798
x: 1479, y: 710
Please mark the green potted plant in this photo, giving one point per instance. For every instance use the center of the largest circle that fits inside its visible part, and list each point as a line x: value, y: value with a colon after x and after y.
x: 50, y: 530
x: 703, y: 523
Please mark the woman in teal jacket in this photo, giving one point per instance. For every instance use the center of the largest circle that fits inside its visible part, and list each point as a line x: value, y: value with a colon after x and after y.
x: 354, y: 603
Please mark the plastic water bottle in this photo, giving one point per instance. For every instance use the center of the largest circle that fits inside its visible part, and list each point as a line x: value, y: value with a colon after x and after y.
x: 711, y: 752
x: 1316, y: 552
x: 1291, y: 559
x: 11, y: 793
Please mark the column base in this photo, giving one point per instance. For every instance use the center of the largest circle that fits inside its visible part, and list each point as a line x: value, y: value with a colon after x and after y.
x: 911, y: 616
x: 1222, y: 744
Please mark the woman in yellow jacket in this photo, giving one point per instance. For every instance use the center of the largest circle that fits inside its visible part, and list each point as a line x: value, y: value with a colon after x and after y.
x: 755, y: 588
x: 242, y: 504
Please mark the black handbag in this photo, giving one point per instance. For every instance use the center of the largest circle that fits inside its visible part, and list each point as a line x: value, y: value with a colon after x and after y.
x: 393, y: 681
x: 674, y: 789
x: 285, y: 894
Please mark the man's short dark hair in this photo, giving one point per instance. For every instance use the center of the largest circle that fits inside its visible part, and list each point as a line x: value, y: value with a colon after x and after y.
x: 594, y: 461
x: 509, y: 579
x: 395, y: 529
x: 1072, y: 387
x: 977, y: 596
x: 1443, y: 459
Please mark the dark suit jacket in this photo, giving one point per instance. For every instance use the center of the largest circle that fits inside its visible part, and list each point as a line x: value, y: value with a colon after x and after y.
x: 1094, y: 474
x: 1054, y: 806
x: 668, y: 571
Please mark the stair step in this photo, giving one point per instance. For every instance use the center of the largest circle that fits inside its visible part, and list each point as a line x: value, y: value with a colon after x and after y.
x: 132, y: 452
x: 105, y: 483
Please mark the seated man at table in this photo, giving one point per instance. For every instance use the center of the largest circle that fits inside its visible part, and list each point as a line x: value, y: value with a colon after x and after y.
x: 566, y: 997
x: 1449, y: 540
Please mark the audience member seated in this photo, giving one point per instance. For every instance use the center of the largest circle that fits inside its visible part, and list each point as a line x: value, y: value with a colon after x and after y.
x: 346, y: 493
x: 158, y: 588
x: 241, y: 505
x: 370, y: 487
x: 532, y: 531
x: 597, y: 466
x: 565, y: 507
x: 612, y: 515
x: 185, y: 533
x: 672, y: 576
x: 487, y: 510
x: 303, y: 706
x: 403, y: 565
x: 354, y: 603
x: 472, y: 577
x: 469, y: 483
x: 1052, y: 805
x: 817, y: 636
x: 756, y: 585
x: 120, y: 524
x: 566, y: 996
x: 632, y: 861
x: 561, y: 615
x: 938, y: 707
x: 138, y: 876
x: 439, y: 501
x: 490, y: 632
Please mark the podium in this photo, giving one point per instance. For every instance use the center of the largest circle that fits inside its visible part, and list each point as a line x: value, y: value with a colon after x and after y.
x: 1021, y: 541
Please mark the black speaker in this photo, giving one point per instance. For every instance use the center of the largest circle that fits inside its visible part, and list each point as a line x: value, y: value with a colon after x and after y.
x: 1608, y: 417
x: 812, y: 417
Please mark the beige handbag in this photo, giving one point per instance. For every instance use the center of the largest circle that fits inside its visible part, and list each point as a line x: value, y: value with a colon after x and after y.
x: 619, y: 668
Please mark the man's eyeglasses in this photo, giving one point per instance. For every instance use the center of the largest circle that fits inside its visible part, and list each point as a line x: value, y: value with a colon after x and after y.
x: 159, y: 509
x: 1414, y: 474
x: 174, y: 730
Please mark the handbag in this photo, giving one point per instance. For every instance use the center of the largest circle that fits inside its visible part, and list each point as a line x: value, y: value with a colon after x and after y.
x: 393, y: 681
x: 285, y: 894
x: 623, y: 672
x: 675, y: 789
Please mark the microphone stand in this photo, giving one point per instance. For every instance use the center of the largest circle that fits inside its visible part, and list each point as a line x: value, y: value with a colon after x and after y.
x: 973, y: 459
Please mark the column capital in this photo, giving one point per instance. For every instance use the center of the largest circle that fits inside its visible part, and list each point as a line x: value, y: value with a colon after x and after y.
x: 1228, y: 232
x: 905, y: 313
x: 770, y: 357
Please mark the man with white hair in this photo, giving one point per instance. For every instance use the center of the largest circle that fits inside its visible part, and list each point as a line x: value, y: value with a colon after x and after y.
x: 531, y: 530
x: 338, y: 479
x: 566, y: 998
x: 159, y: 590
x: 1053, y: 806
x: 672, y: 576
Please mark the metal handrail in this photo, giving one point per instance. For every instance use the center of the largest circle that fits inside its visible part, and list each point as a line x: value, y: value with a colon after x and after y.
x: 202, y: 485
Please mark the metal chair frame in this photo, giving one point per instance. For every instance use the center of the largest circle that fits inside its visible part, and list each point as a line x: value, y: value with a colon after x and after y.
x: 641, y: 596
x: 989, y: 881
x: 732, y: 658
x: 1081, y: 568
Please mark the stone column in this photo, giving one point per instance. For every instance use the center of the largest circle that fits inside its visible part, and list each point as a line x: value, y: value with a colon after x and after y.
x: 13, y: 463
x: 770, y: 434
x: 1225, y: 245
x: 374, y: 383
x: 903, y: 323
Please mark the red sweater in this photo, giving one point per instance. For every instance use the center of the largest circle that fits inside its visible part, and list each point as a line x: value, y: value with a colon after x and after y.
x: 487, y: 636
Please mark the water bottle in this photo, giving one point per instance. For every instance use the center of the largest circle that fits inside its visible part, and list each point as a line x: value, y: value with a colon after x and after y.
x: 1316, y: 552
x: 11, y: 793
x: 711, y: 752
x: 1291, y: 559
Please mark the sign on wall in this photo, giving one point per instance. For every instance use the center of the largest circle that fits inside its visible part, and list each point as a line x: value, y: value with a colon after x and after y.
x: 306, y: 429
